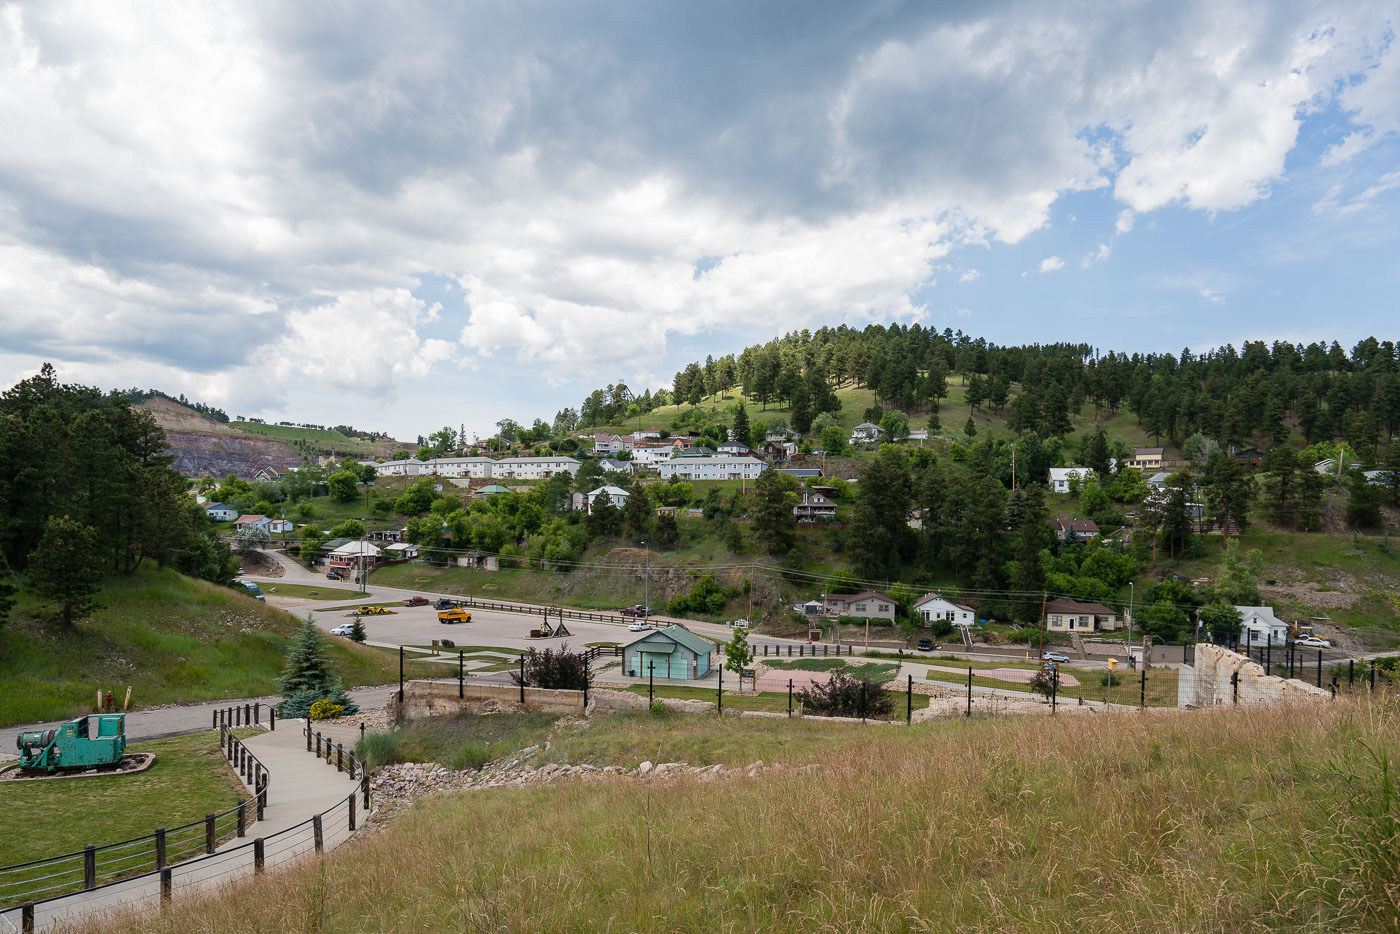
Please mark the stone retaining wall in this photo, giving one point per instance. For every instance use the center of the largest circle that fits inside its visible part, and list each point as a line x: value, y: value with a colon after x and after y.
x: 1214, y: 682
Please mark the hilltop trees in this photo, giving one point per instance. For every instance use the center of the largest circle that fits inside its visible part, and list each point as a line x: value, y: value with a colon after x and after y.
x: 66, y: 568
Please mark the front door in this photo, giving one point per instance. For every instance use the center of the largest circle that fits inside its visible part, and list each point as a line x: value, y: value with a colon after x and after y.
x: 661, y: 660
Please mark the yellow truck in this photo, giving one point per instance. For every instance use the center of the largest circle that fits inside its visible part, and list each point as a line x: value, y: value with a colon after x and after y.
x: 457, y: 615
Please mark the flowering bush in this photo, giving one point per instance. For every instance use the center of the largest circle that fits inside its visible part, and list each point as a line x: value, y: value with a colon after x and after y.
x: 326, y: 710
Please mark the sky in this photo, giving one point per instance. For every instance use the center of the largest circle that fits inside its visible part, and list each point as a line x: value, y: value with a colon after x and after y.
x: 406, y: 216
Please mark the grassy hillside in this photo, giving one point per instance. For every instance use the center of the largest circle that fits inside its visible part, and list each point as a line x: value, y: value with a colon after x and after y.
x: 1227, y: 820
x: 169, y: 637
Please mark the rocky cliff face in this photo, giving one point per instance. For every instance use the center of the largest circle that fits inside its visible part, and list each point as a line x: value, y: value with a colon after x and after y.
x: 203, y: 452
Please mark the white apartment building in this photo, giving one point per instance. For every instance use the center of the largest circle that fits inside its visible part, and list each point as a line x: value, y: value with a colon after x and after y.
x: 480, y: 468
x: 712, y: 468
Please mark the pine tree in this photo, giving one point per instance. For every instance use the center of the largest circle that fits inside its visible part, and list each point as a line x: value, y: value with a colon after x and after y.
x: 636, y: 513
x: 7, y: 591
x: 772, y: 524
x: 66, y: 567
x: 1030, y: 576
x: 740, y: 430
x: 357, y: 630
x: 307, y: 675
x: 970, y: 429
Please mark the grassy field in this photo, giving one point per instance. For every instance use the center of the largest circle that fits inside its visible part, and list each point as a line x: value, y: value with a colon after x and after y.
x: 1161, y: 685
x: 1242, y: 820
x: 307, y: 592
x: 189, y: 779
x: 768, y: 701
x: 169, y: 637
x: 462, y: 741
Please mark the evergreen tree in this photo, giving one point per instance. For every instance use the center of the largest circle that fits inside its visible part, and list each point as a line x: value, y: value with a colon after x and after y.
x: 970, y: 427
x: 1096, y: 454
x: 772, y: 520
x: 357, y: 629
x: 1229, y: 492
x: 665, y: 530
x: 307, y: 675
x: 66, y: 567
x: 7, y: 591
x: 604, y: 519
x: 1364, y: 503
x: 740, y: 431
x: 636, y: 513
x: 1030, y: 576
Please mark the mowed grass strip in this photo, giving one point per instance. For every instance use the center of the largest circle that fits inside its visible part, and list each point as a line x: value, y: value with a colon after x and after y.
x: 169, y: 637
x: 1202, y: 821
x: 305, y: 591
x: 1161, y: 686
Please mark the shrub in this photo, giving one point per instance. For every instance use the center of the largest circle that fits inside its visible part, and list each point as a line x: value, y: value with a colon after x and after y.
x: 1042, y: 683
x: 658, y: 708
x: 378, y: 747
x: 1110, y: 678
x: 325, y: 710
x: 841, y: 696
x: 556, y: 669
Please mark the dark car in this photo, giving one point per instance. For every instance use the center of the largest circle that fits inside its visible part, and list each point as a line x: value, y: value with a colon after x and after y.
x: 925, y: 645
x: 334, y: 576
x: 416, y: 601
x: 637, y: 610
x: 445, y: 604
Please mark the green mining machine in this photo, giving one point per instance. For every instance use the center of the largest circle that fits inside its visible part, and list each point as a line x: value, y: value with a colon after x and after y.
x: 73, y: 746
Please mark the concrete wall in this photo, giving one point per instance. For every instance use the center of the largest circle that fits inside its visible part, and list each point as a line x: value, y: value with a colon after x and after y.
x: 1211, y: 682
x: 431, y: 698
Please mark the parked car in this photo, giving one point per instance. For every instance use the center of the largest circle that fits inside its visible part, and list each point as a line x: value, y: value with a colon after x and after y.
x: 1315, y: 642
x: 416, y: 601
x: 253, y: 589
x: 370, y: 610
x: 637, y: 610
x: 334, y: 576
x: 458, y: 615
x: 1060, y: 657
x: 925, y: 645
x: 446, y: 604
x: 344, y: 629
x: 638, y: 625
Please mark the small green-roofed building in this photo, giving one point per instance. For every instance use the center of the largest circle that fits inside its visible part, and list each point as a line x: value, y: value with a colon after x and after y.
x: 675, y: 652
x: 493, y: 489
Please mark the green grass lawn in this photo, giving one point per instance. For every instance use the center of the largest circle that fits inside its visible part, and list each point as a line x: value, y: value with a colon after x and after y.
x: 769, y: 701
x: 1161, y: 686
x: 189, y: 779
x: 169, y: 637
x: 306, y: 591
x: 871, y: 671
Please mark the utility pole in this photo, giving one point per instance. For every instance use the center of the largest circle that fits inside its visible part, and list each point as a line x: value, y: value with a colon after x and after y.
x: 1130, y: 622
x: 753, y: 565
x: 1043, y: 597
x: 646, y: 581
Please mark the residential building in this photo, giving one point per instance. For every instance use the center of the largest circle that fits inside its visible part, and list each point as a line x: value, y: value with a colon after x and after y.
x: 917, y: 434
x: 534, y: 468
x: 491, y: 489
x: 617, y: 495
x: 476, y: 468
x: 693, y: 450
x: 257, y: 522
x: 1259, y: 626
x: 268, y: 473
x: 814, y: 506
x: 401, y: 551
x: 802, y: 473
x: 734, y: 449
x: 780, y: 451
x: 1082, y: 528
x: 674, y: 652
x: 616, y: 466
x: 354, y: 555
x: 605, y: 442
x: 933, y: 607
x: 647, y: 434
x: 649, y: 455
x: 220, y: 512
x: 867, y: 604
x: 711, y: 468
x: 780, y: 434
x: 1146, y: 459
x: 1065, y: 615
x: 1060, y: 477
x: 1329, y: 466
x: 281, y: 526
x: 865, y: 431
x: 1158, y: 481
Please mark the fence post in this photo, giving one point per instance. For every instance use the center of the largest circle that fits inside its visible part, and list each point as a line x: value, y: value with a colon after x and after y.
x: 969, y: 690
x: 237, y: 715
x: 461, y: 673
x: 248, y: 714
x: 262, y: 794
x: 585, y: 685
x: 909, y: 700
x: 1142, y: 696
x: 257, y: 714
x: 522, y: 679
x: 271, y: 717
x: 26, y: 918
x: 1055, y: 690
x: 719, y: 692
x: 352, y: 810
x: 1351, y: 672
x: 215, y: 724
x: 258, y: 855
x: 789, y: 697
x: 339, y: 761
x: 318, y: 744
x: 364, y: 787
x: 1269, y: 655
x: 651, y: 682
x: 242, y: 819
x: 1235, y: 687
x: 1319, y: 667
x: 160, y: 847
x: 316, y: 833
x: 308, y: 734
x: 89, y: 867
x: 208, y: 833
x: 165, y: 886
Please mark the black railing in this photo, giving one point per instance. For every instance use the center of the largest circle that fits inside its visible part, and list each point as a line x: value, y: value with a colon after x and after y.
x: 243, y: 715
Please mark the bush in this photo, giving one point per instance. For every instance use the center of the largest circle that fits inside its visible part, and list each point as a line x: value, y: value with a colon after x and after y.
x: 378, y: 747
x: 941, y: 628
x: 1110, y: 679
x: 841, y: 696
x: 1042, y: 683
x: 557, y: 669
x: 658, y: 708
x: 325, y: 710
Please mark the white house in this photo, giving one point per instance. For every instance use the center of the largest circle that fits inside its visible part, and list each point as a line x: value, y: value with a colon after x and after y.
x: 1259, y: 626
x: 220, y: 512
x: 353, y: 555
x: 734, y: 449
x: 257, y: 522
x: 1158, y: 481
x: 934, y: 607
x: 712, y: 468
x: 650, y: 455
x: 1066, y: 615
x: 401, y: 550
x: 478, y: 468
x: 280, y: 526
x: 1061, y: 476
x: 814, y: 506
x: 865, y: 431
x: 607, y: 463
x: 533, y: 468
x: 615, y: 493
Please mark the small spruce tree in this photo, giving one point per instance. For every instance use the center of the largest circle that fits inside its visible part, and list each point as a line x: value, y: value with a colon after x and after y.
x: 308, y: 676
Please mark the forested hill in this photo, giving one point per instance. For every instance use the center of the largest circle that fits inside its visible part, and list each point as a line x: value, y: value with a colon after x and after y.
x: 1258, y: 395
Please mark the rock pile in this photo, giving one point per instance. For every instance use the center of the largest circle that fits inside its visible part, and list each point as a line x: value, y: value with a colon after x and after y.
x: 394, y: 786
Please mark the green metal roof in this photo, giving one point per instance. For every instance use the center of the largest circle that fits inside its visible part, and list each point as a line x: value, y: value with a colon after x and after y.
x: 676, y: 634
x: 656, y: 647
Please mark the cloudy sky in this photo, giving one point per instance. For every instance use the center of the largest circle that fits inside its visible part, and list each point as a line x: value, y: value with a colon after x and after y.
x: 404, y: 216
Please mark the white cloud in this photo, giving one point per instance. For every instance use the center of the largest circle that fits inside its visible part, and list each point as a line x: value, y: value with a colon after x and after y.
x: 1333, y: 202
x: 296, y: 181
x: 964, y: 312
x: 1097, y: 256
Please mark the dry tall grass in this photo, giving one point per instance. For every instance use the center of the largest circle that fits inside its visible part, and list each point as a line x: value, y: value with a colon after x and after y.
x: 1234, y: 820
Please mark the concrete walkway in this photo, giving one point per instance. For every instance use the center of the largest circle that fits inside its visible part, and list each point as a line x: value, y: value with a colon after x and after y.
x: 299, y: 787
